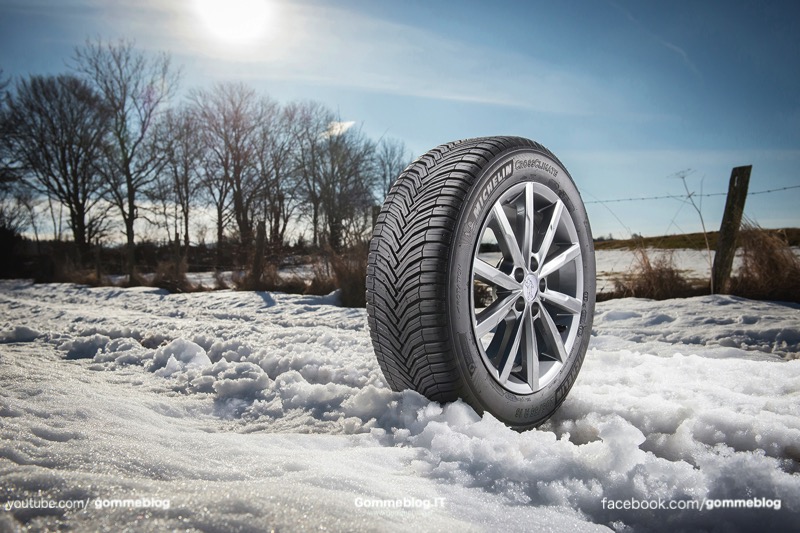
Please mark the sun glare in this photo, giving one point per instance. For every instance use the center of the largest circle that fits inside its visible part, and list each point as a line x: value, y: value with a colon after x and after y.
x: 235, y: 21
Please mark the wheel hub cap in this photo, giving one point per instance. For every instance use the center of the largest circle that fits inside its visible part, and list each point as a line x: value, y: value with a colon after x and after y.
x: 530, y: 288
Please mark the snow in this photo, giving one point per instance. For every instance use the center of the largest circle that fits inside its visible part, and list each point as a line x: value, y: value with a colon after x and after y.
x: 725, y: 326
x: 249, y: 411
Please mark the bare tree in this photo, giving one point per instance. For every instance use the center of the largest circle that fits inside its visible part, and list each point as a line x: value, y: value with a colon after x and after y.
x: 348, y: 176
x: 336, y: 163
x: 229, y: 117
x: 277, y: 169
x: 135, y: 88
x: 4, y: 83
x: 216, y: 189
x: 312, y: 121
x: 16, y: 209
x: 176, y: 187
x: 8, y: 172
x: 55, y: 130
x: 391, y: 158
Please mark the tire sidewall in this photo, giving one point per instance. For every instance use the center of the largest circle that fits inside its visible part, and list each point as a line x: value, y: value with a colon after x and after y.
x: 504, y: 171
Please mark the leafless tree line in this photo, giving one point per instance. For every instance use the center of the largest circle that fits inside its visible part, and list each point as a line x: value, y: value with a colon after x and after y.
x: 108, y: 143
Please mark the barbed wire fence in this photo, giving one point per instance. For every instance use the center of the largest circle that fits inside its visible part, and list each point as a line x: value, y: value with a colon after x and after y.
x: 685, y: 199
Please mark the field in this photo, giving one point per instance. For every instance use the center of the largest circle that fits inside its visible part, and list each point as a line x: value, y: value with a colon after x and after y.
x: 242, y: 411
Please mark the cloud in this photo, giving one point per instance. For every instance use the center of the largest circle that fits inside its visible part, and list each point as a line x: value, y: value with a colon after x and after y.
x: 338, y: 128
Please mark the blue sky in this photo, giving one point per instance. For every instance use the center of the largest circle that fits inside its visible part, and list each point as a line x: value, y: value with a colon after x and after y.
x: 625, y: 93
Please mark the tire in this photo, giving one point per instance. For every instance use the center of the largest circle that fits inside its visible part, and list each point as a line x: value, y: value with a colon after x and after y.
x: 455, y: 308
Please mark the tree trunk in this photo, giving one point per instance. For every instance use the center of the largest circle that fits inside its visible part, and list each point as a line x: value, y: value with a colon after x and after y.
x: 186, y: 234
x: 220, y: 235
x: 130, y: 249
x: 315, y: 223
x: 98, y: 258
x: 257, y: 270
x: 79, y: 234
x: 129, y: 232
x: 335, y: 237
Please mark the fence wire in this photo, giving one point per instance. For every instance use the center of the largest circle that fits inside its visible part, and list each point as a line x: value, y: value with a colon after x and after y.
x: 683, y: 197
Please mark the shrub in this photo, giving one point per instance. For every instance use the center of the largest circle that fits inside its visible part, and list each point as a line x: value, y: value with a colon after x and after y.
x: 350, y: 270
x: 657, y: 279
x: 770, y: 270
x: 345, y: 271
x: 293, y: 284
x: 270, y: 281
x: 171, y: 276
x: 322, y: 282
x: 219, y: 281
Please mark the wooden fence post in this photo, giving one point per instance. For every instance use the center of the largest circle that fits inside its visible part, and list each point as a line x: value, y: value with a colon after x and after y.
x: 729, y: 229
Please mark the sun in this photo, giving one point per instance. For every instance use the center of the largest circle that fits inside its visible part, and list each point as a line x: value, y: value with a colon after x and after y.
x: 235, y: 21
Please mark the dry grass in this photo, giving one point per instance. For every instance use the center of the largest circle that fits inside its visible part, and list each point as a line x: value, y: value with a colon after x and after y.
x: 293, y: 284
x: 268, y: 281
x: 219, y: 281
x: 322, y: 282
x: 66, y: 271
x: 657, y: 279
x: 350, y: 270
x: 172, y: 277
x: 347, y: 272
x: 271, y: 281
x: 770, y: 270
x: 84, y: 277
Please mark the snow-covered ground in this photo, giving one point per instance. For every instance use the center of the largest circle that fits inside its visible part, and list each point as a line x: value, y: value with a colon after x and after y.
x: 611, y: 265
x: 232, y: 411
x: 693, y: 264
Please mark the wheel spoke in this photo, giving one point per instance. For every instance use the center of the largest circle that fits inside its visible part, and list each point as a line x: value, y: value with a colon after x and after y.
x: 547, y: 241
x: 505, y: 236
x: 552, y: 334
x: 531, y: 351
x: 527, y: 232
x: 524, y: 346
x: 560, y: 260
x: 493, y: 315
x: 509, y: 349
x: 562, y: 301
x: 490, y: 275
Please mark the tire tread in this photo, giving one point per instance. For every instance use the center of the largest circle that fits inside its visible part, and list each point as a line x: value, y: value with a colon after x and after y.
x: 408, y: 261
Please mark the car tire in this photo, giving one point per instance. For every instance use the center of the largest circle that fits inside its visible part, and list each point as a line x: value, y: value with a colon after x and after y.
x: 481, y: 279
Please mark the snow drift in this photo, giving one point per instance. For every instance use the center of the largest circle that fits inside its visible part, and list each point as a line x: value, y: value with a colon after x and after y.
x: 249, y: 410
